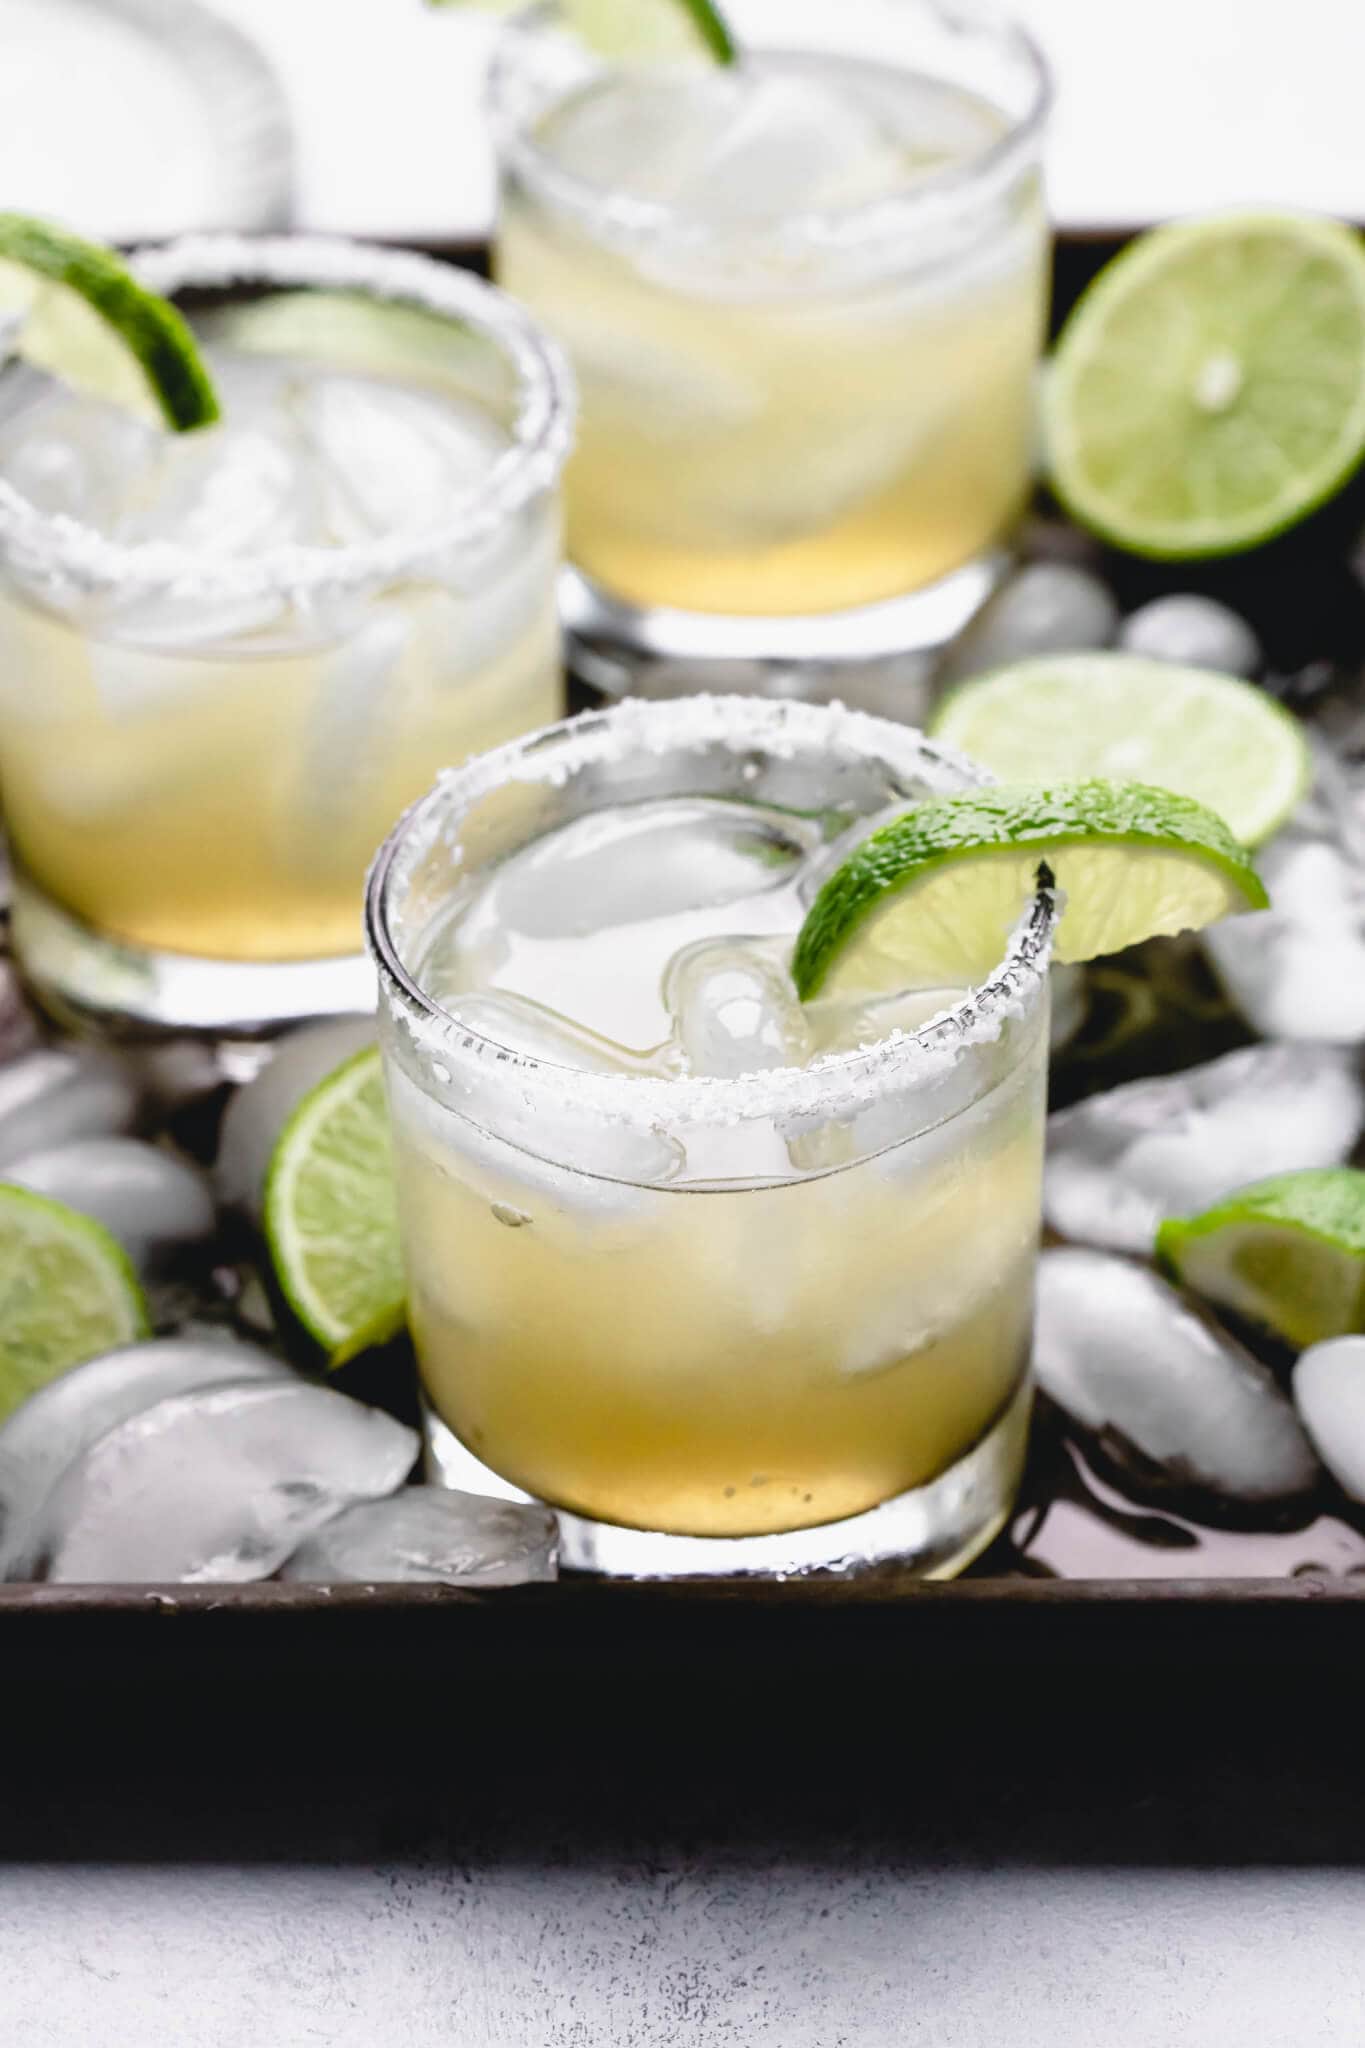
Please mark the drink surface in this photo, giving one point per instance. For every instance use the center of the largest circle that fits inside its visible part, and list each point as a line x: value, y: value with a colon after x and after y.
x: 209, y: 773
x: 775, y: 420
x: 749, y: 1329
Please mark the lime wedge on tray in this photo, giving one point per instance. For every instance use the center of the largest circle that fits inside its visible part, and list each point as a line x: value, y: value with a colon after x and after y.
x: 330, y: 1217
x: 76, y: 311
x: 1288, y: 1253
x: 630, y: 29
x: 928, y: 900
x: 67, y: 1293
x: 1208, y: 389
x: 1224, y: 742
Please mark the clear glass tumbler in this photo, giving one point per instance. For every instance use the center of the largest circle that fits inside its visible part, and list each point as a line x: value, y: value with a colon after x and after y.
x: 229, y: 658
x: 804, y: 297
x: 765, y: 1322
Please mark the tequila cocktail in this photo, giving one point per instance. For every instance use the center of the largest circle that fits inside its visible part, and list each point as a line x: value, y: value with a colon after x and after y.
x: 804, y: 297
x: 229, y: 658
x: 683, y: 1254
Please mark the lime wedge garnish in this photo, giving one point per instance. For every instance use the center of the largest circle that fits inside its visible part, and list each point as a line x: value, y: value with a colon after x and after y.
x: 1288, y: 1253
x: 330, y: 1217
x: 1223, y: 742
x: 81, y: 315
x: 636, y: 29
x: 67, y: 1293
x: 358, y: 331
x: 927, y: 901
x: 1208, y: 390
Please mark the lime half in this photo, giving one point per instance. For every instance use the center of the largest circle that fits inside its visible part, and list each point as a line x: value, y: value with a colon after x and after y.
x: 67, y: 1293
x: 629, y: 30
x: 1223, y: 742
x: 1208, y: 390
x: 1288, y: 1253
x: 331, y: 1221
x: 81, y: 315
x: 927, y: 901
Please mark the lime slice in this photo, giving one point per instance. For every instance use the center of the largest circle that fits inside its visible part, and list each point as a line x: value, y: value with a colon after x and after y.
x: 1208, y: 390
x: 1223, y: 742
x: 81, y: 315
x: 67, y: 1293
x: 330, y: 1217
x: 927, y: 901
x: 355, y: 331
x: 1287, y: 1252
x: 636, y: 29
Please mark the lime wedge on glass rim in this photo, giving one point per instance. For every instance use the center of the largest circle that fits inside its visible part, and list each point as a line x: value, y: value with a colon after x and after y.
x: 1208, y: 389
x: 1222, y: 741
x: 67, y: 1293
x: 928, y: 900
x: 331, y: 1220
x: 626, y: 30
x: 1288, y: 1253
x: 73, y: 309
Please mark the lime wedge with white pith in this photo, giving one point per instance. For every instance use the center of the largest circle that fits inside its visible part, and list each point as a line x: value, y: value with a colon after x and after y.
x: 358, y: 331
x: 330, y: 1218
x: 71, y: 308
x: 635, y: 29
x: 67, y: 1293
x: 1208, y: 389
x: 1212, y: 737
x: 1287, y: 1252
x: 928, y: 901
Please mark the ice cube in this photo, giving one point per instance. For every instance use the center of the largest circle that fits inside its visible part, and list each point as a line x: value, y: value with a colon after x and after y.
x: 1047, y: 608
x: 777, y: 145
x: 219, y: 1485
x: 260, y: 1109
x: 1198, y: 631
x: 152, y: 1202
x: 636, y: 865
x: 735, y: 1009
x: 59, y: 1093
x: 59, y: 1423
x: 345, y: 746
x: 1329, y: 1393
x: 430, y: 1533
x: 521, y: 1025
x: 1297, y: 970
x: 386, y: 459
x: 1136, y: 1362
x: 1118, y: 1162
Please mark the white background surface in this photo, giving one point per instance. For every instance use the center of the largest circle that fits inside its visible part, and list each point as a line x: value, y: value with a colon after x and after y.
x: 1163, y: 106
x: 414, y: 1956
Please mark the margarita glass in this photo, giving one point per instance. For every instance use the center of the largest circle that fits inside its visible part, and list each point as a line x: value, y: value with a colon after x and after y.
x: 737, y: 1283
x: 804, y: 297
x: 229, y: 658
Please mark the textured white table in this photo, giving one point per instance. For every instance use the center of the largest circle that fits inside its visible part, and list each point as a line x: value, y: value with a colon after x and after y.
x: 681, y: 1954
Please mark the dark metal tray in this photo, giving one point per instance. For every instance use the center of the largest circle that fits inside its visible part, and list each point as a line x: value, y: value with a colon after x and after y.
x: 1098, y: 1559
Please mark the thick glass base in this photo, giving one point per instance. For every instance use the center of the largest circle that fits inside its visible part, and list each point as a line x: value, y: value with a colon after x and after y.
x: 87, y: 980
x: 878, y: 658
x: 935, y: 1530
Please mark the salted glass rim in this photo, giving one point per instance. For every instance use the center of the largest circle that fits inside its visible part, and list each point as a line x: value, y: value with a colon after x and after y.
x: 837, y: 1084
x: 946, y: 190
x: 59, y: 546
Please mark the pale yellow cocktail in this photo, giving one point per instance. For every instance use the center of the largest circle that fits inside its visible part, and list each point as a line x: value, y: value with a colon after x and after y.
x: 804, y: 299
x: 683, y: 1254
x: 229, y: 658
